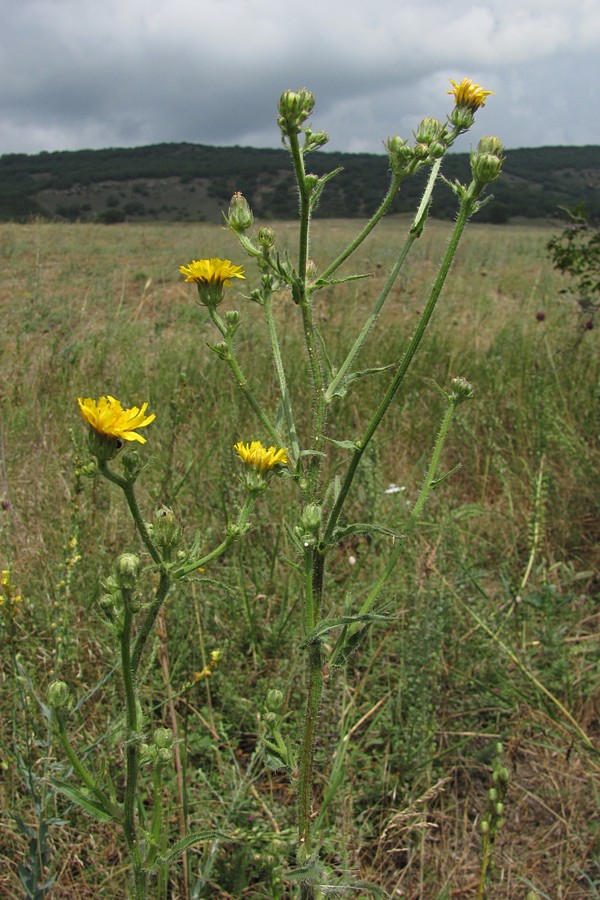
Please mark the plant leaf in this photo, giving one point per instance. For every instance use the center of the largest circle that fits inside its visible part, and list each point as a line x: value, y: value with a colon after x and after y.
x: 92, y: 807
x: 196, y: 837
x: 317, y: 636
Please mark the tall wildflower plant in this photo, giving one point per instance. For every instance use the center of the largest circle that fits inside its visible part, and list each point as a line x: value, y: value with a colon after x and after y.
x: 320, y: 525
x: 134, y: 593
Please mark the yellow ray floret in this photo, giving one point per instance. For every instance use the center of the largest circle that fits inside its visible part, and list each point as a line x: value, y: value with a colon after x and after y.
x: 211, y: 271
x: 260, y: 458
x: 108, y: 417
x: 468, y: 94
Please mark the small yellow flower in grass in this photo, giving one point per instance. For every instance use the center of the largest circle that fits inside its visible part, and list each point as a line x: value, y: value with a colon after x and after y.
x: 110, y: 424
x: 211, y: 271
x: 108, y: 418
x: 469, y: 95
x: 211, y: 276
x: 255, y: 456
x: 260, y: 464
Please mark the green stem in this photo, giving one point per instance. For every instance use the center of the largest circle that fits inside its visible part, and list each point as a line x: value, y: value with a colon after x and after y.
x: 143, y: 634
x: 156, y: 826
x: 466, y: 208
x: 485, y: 861
x: 132, y: 741
x: 285, y: 397
x: 341, y: 373
x: 304, y: 194
x: 128, y: 489
x: 231, y: 537
x: 242, y: 381
x: 302, y: 297
x: 352, y: 246
x: 415, y: 232
x: 305, y: 776
x: 314, y: 594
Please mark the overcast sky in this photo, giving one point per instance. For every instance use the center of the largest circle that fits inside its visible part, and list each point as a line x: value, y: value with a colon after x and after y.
x: 111, y: 73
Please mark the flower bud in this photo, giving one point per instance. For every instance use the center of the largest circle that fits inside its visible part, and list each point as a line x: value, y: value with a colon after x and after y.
x: 486, y: 164
x: 240, y: 216
x: 221, y: 349
x: 232, y: 320
x: 400, y: 155
x: 294, y: 108
x: 167, y: 532
x: 106, y: 606
x: 314, y: 139
x: 163, y: 738
x: 127, y: 570
x: 147, y: 754
x: 164, y: 756
x: 274, y: 700
x: 461, y: 390
x: 266, y: 238
x: 88, y: 470
x: 59, y: 696
x: 493, y: 145
x: 428, y: 130
x: 133, y: 463
x: 311, y: 518
x: 436, y: 150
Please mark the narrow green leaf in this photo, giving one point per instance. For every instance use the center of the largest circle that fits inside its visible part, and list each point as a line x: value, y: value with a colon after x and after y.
x: 92, y: 807
x: 345, y: 445
x: 196, y: 837
x: 326, y: 282
x: 364, y: 528
x: 326, y: 625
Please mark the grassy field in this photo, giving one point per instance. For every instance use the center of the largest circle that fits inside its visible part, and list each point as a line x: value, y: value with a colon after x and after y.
x: 494, y: 635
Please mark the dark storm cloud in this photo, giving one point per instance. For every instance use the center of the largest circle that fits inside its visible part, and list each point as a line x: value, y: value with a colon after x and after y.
x: 124, y: 72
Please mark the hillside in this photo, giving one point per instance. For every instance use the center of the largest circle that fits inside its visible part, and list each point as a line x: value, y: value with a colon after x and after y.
x: 194, y: 182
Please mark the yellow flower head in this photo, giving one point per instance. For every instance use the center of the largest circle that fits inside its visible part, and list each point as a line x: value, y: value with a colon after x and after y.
x: 108, y: 418
x: 257, y: 457
x: 469, y: 95
x: 211, y: 271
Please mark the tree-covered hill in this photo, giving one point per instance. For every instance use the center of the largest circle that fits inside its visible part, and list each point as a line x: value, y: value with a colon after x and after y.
x: 195, y: 182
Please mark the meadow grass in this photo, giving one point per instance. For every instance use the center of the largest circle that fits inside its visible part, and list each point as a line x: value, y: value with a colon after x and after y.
x: 495, y: 625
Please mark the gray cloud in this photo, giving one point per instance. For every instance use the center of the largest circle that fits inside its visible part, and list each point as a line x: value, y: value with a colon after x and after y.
x: 76, y: 73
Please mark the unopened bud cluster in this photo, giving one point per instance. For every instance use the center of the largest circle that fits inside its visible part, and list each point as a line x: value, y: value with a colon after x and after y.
x: 493, y: 817
x: 431, y: 142
x: 461, y: 390
x: 294, y: 109
x: 159, y: 753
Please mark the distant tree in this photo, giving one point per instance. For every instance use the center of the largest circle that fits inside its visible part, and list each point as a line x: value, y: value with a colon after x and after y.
x: 576, y: 252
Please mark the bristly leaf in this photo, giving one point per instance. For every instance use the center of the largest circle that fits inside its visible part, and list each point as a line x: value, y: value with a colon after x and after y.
x: 196, y: 837
x: 326, y: 282
x: 364, y: 528
x: 326, y: 625
x: 318, y: 189
x: 345, y: 445
x: 342, y: 388
x: 92, y: 807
